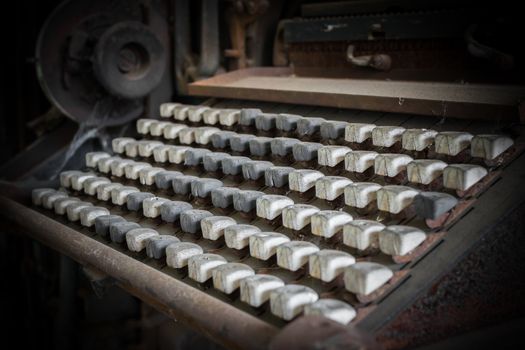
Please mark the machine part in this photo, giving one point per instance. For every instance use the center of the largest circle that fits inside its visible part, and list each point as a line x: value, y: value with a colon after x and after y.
x: 500, y: 59
x: 376, y: 61
x: 96, y: 66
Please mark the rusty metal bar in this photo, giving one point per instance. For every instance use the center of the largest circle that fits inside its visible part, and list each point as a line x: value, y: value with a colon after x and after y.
x: 219, y: 321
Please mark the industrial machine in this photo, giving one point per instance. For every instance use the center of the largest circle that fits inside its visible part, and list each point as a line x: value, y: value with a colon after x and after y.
x: 287, y: 175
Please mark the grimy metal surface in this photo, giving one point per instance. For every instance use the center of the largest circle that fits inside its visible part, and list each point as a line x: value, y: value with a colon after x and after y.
x: 219, y: 321
x: 435, y: 99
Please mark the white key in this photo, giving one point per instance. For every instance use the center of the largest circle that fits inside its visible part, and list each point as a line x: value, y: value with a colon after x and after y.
x: 293, y: 255
x: 181, y: 112
x: 143, y: 125
x: 147, y: 175
x: 146, y: 147
x: 61, y: 204
x: 200, y: 267
x: 177, y: 154
x: 49, y: 198
x: 400, y: 240
x: 394, y: 199
x: 362, y: 234
x: 327, y: 223
x: 119, y: 195
x: 489, y: 146
x: 151, y: 206
x: 360, y: 194
x: 132, y: 170
x: 391, y: 164
x: 161, y: 153
x: 417, y: 139
x: 256, y: 289
x: 157, y: 128
x: 93, y: 157
x: 74, y: 208
x: 171, y: 131
x: 65, y: 177
x: 366, y: 277
x: 263, y: 245
x: 387, y: 136
x: 118, y: 167
x: 238, y: 236
x: 195, y: 113
x: 213, y: 227
x: 452, y: 142
x: 424, y: 171
x: 137, y: 238
x: 178, y: 254
x: 89, y: 214
x: 331, y: 187
x: 118, y: 144
x: 358, y: 132
x: 359, y: 161
x: 203, y: 134
x: 331, y: 155
x: 211, y: 116
x: 229, y: 117
x: 289, y: 301
x: 77, y: 180
x: 227, y: 277
x: 104, y: 190
x: 327, y: 264
x: 104, y: 165
x: 462, y: 176
x: 302, y: 180
x: 132, y: 149
x: 166, y: 109
x: 297, y: 216
x: 38, y: 193
x: 187, y: 136
x: 90, y: 185
x: 333, y: 309
x: 270, y: 206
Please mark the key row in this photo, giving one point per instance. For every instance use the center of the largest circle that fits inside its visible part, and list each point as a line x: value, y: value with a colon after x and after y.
x: 286, y: 301
x: 452, y: 143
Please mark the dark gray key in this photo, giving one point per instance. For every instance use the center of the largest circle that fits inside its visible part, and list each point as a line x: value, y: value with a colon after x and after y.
x: 332, y: 129
x: 305, y: 151
x: 248, y: 116
x: 190, y: 220
x: 222, y: 197
x: 194, y: 156
x: 240, y: 142
x: 260, y: 146
x: 287, y: 122
x: 118, y: 230
x: 221, y: 139
x: 245, y: 201
x: 202, y: 187
x: 170, y: 211
x: 182, y: 184
x: 431, y: 205
x: 103, y: 222
x: 213, y: 161
x: 156, y: 245
x: 277, y: 176
x: 134, y: 200
x: 164, y: 178
x: 265, y: 121
x: 282, y: 146
x: 233, y: 165
x: 309, y: 126
x: 255, y: 169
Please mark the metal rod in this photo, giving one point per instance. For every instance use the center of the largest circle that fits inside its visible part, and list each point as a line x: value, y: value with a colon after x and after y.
x: 219, y: 321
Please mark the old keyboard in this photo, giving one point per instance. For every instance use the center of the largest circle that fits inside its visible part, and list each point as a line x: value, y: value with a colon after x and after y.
x: 277, y: 213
